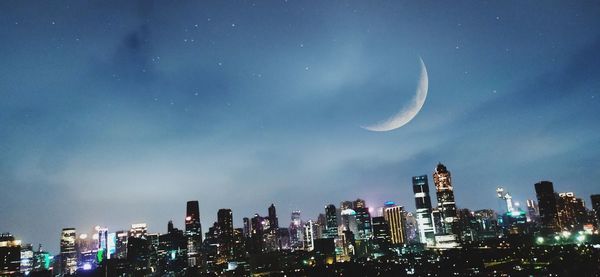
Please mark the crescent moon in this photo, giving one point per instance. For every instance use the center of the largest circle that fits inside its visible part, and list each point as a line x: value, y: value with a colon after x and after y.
x: 408, y: 113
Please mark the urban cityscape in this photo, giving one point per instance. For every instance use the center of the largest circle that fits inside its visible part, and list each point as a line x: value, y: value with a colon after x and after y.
x: 299, y: 138
x: 553, y: 235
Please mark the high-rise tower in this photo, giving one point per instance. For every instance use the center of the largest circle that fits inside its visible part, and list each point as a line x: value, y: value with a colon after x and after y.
x: 423, y: 209
x: 193, y: 232
x: 273, y: 221
x: 331, y: 228
x: 544, y: 191
x: 225, y: 222
x: 394, y: 216
x: 445, y: 199
x: 68, y: 255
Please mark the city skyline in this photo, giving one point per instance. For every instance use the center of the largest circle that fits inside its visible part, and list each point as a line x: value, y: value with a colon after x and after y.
x: 239, y: 223
x: 114, y: 113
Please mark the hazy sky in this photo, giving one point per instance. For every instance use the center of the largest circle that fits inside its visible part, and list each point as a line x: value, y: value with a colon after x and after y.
x: 117, y: 112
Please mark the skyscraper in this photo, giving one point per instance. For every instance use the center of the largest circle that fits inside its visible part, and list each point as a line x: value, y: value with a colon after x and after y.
x: 193, y: 232
x: 68, y: 255
x: 363, y: 220
x: 295, y: 230
x: 247, y: 229
x: 423, y: 209
x: 532, y: 211
x: 395, y: 219
x: 331, y: 228
x: 309, y: 236
x: 596, y: 206
x: 273, y: 221
x: 10, y: 255
x: 544, y: 191
x: 571, y: 211
x: 381, y: 230
x: 225, y: 222
x: 445, y: 198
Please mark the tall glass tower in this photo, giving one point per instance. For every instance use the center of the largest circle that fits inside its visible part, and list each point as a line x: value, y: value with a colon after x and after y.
x: 423, y: 209
x: 331, y: 228
x: 445, y: 199
x: 193, y: 232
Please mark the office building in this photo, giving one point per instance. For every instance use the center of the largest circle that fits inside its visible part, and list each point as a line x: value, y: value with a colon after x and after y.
x: 331, y: 227
x: 10, y: 255
x: 68, y: 255
x: 193, y: 231
x: 445, y: 199
x: 394, y: 215
x: 546, y: 197
x: 423, y: 210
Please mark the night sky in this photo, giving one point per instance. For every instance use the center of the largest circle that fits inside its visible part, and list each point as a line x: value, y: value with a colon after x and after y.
x: 117, y: 112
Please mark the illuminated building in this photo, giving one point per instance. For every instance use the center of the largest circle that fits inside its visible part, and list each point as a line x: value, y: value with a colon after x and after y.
x: 506, y: 198
x: 172, y: 252
x: 596, y: 207
x: 423, y: 210
x: 363, y: 221
x: 395, y: 219
x: 436, y: 216
x: 544, y: 191
x: 410, y: 227
x: 271, y: 226
x: 445, y: 200
x: 86, y: 248
x: 68, y: 255
x: 26, y: 259
x: 532, y: 211
x: 42, y: 260
x: 121, y: 244
x: 319, y: 226
x: 488, y: 223
x: 283, y: 237
x: 572, y: 214
x: 516, y: 222
x: 138, y: 230
x: 309, y: 238
x: 296, y: 230
x: 10, y: 255
x: 256, y: 236
x: 225, y: 222
x: 193, y: 231
x: 247, y: 227
x: 381, y: 231
x: 331, y: 228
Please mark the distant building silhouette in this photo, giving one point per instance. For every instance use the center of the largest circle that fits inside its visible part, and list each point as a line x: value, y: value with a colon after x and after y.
x: 546, y: 196
x: 596, y: 207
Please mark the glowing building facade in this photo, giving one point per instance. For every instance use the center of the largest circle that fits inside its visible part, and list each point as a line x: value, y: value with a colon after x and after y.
x: 193, y: 231
x: 394, y: 216
x: 68, y: 255
x: 445, y: 200
x: 423, y: 209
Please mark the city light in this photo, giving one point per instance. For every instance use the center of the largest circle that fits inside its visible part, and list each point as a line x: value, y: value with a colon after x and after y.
x: 87, y: 266
x: 540, y: 240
